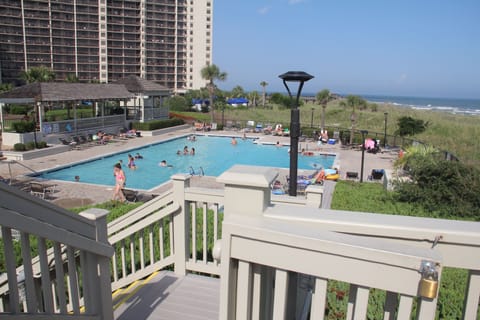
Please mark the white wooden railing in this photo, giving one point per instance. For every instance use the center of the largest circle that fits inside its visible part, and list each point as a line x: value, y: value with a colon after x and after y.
x: 70, y: 277
x: 278, y: 257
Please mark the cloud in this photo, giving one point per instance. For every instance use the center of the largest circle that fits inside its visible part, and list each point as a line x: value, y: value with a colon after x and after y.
x: 263, y: 10
x: 294, y: 2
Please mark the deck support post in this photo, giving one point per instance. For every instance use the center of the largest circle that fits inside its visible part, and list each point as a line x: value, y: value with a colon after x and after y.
x: 181, y: 224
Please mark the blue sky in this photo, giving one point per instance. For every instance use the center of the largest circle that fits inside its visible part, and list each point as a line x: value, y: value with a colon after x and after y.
x: 428, y: 48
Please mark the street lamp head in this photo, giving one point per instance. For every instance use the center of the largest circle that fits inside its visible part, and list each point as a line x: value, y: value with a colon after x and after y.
x: 364, y: 132
x: 385, y: 114
x: 296, y: 76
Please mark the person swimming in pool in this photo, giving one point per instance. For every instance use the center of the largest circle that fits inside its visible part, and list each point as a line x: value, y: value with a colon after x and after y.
x: 131, y: 162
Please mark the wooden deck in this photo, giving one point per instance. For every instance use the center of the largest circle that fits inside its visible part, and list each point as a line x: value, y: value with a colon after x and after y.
x: 167, y: 296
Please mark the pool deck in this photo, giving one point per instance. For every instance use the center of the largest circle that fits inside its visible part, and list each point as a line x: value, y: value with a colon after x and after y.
x: 74, y: 194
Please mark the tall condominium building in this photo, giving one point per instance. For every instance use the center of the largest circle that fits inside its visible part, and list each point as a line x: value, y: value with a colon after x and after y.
x: 167, y: 41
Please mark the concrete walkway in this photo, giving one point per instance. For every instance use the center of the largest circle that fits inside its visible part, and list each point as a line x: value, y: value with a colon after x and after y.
x: 74, y: 194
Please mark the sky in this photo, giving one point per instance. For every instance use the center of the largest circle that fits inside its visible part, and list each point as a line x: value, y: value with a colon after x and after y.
x: 424, y: 48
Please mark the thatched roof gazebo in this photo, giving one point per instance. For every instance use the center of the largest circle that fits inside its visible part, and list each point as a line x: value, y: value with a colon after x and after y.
x: 42, y: 94
x: 149, y: 96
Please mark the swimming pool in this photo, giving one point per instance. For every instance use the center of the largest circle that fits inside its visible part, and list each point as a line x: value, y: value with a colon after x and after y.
x: 213, y: 155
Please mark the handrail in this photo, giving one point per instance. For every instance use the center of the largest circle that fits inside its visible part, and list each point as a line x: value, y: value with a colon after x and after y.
x: 437, y: 233
x: 19, y: 201
x: 140, y: 212
x: 72, y: 250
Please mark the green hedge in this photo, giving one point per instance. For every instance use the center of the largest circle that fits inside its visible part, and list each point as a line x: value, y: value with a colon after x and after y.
x: 29, y: 146
x: 157, y: 124
x: 19, y: 147
x: 22, y: 126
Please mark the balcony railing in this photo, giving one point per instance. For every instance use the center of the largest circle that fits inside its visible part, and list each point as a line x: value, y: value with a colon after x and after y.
x: 72, y: 267
x: 276, y: 255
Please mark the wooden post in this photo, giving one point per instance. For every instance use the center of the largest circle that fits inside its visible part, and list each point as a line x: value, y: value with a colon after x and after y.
x: 181, y: 224
x: 100, y: 283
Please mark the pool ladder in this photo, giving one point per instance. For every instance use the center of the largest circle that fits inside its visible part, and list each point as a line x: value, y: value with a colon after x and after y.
x: 200, y: 171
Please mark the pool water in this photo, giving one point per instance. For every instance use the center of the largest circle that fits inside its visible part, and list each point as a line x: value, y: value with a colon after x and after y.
x: 213, y: 156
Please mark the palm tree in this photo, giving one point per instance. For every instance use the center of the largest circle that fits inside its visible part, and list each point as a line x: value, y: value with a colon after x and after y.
x: 353, y: 102
x: 264, y: 84
x: 71, y: 78
x: 323, y: 97
x: 38, y: 74
x: 238, y: 92
x: 212, y: 73
x: 253, y: 96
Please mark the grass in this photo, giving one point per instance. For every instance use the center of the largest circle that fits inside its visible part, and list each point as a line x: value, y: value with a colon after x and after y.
x: 116, y: 209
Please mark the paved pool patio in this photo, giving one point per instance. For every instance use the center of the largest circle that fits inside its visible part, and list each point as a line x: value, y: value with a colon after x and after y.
x: 74, y: 194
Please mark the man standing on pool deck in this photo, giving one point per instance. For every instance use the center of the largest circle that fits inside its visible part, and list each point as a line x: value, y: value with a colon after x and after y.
x: 119, y: 183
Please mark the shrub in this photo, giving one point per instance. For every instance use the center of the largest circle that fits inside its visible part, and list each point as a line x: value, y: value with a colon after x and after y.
x: 178, y: 103
x: 19, y: 147
x: 410, y: 126
x: 30, y: 145
x: 447, y: 189
x: 41, y: 145
x: 22, y: 126
x: 157, y: 124
x: 15, y: 109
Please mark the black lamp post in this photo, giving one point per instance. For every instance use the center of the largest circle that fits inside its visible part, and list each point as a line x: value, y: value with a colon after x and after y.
x: 311, y: 122
x: 300, y: 77
x: 385, y: 134
x: 364, y: 132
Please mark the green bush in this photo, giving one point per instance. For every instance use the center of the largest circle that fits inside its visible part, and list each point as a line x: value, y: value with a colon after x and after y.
x: 22, y: 126
x: 19, y: 147
x: 41, y: 145
x: 15, y: 109
x: 30, y: 145
x: 157, y: 124
x: 447, y: 189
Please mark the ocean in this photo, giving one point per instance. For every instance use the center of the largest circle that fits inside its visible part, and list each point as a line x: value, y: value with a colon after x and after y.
x: 451, y: 105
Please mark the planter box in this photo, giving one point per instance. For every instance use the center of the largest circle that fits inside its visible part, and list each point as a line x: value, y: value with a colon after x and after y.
x: 33, y: 154
x: 9, y: 139
x: 164, y: 130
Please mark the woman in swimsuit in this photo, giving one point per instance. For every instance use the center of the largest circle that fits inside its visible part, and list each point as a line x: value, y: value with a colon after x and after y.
x: 119, y: 182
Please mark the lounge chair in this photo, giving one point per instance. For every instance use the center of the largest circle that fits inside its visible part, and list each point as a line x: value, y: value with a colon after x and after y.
x: 228, y: 125
x: 258, y: 128
x: 268, y: 129
x: 250, y: 126
x: 377, y: 174
x: 351, y: 175
x: 130, y: 195
x: 72, y: 144
x: 41, y: 190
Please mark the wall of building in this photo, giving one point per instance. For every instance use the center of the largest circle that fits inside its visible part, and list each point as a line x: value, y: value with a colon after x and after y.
x: 167, y: 41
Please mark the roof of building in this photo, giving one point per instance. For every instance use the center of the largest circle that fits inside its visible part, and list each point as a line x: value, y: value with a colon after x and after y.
x: 63, y: 91
x: 136, y: 84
